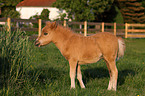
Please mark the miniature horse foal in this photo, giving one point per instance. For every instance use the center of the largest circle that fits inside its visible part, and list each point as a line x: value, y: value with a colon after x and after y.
x: 78, y: 50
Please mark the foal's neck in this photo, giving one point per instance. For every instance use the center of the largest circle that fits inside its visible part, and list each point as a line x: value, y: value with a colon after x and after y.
x: 61, y: 36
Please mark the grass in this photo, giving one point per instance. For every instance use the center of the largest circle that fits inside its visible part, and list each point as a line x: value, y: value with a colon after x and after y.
x: 14, y: 58
x: 48, y: 74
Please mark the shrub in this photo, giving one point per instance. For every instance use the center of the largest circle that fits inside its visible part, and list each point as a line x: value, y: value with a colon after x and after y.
x: 15, y: 57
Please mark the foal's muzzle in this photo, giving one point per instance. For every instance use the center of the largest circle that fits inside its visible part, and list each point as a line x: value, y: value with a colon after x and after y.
x: 37, y: 43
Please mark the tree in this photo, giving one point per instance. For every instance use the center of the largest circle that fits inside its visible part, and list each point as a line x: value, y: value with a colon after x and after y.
x: 132, y: 10
x: 8, y: 8
x: 45, y: 14
x: 81, y: 10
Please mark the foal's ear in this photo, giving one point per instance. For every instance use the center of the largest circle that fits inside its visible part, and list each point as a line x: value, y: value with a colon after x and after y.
x: 47, y: 22
x: 53, y: 25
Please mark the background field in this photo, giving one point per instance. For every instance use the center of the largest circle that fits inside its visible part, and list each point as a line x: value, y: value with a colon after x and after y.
x: 48, y: 74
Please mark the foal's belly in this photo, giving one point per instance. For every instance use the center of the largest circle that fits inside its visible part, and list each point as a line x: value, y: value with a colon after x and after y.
x: 89, y: 60
x: 89, y: 55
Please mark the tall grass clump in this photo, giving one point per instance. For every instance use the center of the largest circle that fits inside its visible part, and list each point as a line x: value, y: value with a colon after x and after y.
x: 14, y: 59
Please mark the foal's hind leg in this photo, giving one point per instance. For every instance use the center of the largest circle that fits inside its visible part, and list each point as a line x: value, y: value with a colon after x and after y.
x: 111, y: 64
x: 79, y: 77
x: 73, y: 65
x: 110, y: 83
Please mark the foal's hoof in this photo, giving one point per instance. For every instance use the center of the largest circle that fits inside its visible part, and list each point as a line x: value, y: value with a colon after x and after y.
x: 83, y: 87
x: 111, y: 89
x: 72, y: 88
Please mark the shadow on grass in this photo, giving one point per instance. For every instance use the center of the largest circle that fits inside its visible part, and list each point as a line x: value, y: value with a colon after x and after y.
x: 96, y: 73
x: 123, y: 74
x: 93, y: 73
x: 51, y: 74
x: 103, y: 73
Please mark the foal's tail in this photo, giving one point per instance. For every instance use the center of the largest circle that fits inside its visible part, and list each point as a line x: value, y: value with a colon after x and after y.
x: 121, y: 48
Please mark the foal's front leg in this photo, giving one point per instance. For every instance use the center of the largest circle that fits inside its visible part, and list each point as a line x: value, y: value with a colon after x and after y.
x: 72, y: 64
x: 79, y: 76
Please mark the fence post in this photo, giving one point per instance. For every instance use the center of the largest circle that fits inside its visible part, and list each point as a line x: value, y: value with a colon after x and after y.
x: 80, y: 28
x: 85, y: 28
x: 115, y: 28
x: 64, y: 23
x: 9, y: 24
x: 102, y: 26
x: 126, y: 29
x: 39, y: 27
x: 97, y: 27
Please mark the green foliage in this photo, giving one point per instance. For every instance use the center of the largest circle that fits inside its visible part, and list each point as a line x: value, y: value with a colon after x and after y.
x: 11, y: 13
x: 81, y: 10
x: 8, y: 8
x: 118, y: 18
x: 10, y: 2
x: 45, y: 14
x: 14, y: 58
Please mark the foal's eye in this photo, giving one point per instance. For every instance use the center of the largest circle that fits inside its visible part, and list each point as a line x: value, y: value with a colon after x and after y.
x: 45, y: 33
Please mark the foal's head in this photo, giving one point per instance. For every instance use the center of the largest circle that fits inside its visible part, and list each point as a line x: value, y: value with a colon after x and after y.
x: 46, y: 34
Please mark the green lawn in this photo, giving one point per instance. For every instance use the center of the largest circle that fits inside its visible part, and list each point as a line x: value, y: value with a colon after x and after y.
x: 48, y: 74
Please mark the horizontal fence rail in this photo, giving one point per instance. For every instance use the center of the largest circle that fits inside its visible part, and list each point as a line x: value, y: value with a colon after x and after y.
x: 134, y: 30
x: 87, y: 28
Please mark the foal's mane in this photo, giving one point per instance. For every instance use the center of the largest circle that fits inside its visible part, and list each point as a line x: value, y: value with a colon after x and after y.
x: 67, y: 31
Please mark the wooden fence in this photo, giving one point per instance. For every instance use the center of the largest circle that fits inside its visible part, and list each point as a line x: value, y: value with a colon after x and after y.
x: 134, y: 30
x: 87, y: 28
x: 94, y: 27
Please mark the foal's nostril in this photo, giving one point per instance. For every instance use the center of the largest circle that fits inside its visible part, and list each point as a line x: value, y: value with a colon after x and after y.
x: 37, y: 43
